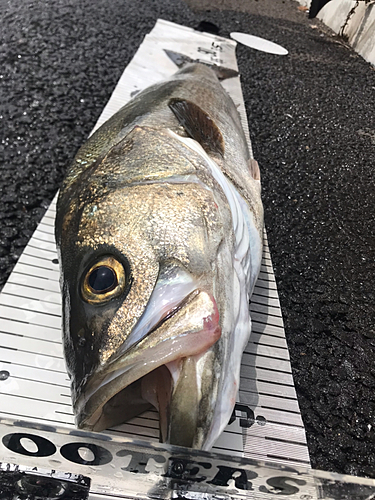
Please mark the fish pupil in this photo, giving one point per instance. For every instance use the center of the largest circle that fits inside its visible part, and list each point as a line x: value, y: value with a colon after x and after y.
x: 102, y: 279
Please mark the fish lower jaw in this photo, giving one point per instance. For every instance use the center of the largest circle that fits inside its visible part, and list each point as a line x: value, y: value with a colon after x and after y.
x: 155, y: 390
x: 128, y: 401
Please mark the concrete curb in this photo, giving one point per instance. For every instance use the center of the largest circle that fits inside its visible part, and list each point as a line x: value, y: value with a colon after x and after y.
x: 353, y: 19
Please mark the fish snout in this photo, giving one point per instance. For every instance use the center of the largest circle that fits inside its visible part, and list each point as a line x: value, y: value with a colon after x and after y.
x: 164, y: 370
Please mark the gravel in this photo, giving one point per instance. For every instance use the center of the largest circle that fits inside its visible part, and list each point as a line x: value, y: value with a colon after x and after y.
x: 312, y: 124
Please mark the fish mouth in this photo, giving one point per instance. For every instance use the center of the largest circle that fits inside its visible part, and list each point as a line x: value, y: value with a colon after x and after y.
x: 157, y: 371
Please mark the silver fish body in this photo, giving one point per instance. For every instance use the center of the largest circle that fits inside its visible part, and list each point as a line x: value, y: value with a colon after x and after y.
x: 159, y: 231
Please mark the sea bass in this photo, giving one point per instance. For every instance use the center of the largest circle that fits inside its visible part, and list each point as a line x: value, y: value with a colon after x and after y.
x: 159, y: 232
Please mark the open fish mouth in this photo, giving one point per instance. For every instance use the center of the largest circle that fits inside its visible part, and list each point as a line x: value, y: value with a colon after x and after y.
x: 153, y: 371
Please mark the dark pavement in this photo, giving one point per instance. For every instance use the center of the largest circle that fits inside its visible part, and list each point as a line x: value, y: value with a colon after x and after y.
x: 311, y: 117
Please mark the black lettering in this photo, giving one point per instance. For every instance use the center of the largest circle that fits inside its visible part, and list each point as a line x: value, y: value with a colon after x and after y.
x: 216, y: 46
x: 155, y: 462
x: 241, y: 477
x: 101, y: 455
x: 13, y: 443
x: 137, y: 463
x: 279, y: 485
x: 187, y: 470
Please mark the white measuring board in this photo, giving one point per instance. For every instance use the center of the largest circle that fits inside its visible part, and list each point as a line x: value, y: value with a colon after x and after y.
x: 268, y: 424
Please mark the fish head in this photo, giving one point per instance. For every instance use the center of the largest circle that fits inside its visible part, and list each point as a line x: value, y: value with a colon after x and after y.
x: 141, y: 317
x: 100, y: 281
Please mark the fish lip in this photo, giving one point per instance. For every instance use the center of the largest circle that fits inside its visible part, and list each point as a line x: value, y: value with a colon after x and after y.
x: 96, y: 392
x: 168, y: 315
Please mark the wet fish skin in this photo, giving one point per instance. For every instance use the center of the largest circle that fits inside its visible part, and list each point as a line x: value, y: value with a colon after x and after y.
x: 150, y: 108
x: 139, y: 193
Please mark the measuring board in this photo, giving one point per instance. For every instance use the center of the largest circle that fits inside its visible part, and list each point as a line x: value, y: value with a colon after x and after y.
x: 34, y: 385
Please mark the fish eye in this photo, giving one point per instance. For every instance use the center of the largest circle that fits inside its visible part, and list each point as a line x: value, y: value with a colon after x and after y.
x: 103, y: 281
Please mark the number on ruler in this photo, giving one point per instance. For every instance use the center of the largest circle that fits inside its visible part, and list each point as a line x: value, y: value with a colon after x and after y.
x: 214, y: 49
x: 250, y: 416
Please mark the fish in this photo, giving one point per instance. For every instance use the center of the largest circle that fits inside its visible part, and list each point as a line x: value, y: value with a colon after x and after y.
x: 159, y: 228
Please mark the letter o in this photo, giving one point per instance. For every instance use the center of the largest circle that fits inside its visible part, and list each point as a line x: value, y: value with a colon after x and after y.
x: 101, y: 455
x: 13, y: 443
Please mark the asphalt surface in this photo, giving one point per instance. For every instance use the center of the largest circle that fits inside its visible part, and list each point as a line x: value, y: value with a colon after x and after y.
x: 313, y: 131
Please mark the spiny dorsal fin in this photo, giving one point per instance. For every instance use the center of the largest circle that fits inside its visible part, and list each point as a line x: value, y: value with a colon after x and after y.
x: 254, y: 169
x: 199, y: 125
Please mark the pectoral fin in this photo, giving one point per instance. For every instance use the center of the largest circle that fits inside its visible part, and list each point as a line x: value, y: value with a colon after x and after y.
x: 199, y: 125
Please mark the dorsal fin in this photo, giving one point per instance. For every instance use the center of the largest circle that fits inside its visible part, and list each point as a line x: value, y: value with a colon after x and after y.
x: 198, y: 125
